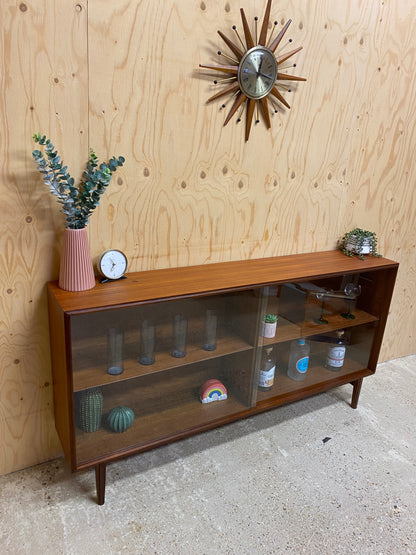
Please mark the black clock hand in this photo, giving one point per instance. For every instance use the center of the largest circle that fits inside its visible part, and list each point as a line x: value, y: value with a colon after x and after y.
x: 260, y: 64
x: 265, y: 75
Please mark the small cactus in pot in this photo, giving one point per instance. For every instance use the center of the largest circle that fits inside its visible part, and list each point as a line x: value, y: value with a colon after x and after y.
x: 269, y: 325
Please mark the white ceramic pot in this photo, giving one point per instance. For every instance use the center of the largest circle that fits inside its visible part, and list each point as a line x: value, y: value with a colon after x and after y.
x: 269, y: 329
x: 364, y: 249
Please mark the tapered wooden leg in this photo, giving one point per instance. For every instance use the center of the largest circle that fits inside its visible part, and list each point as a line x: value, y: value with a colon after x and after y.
x: 356, y: 392
x: 100, y: 471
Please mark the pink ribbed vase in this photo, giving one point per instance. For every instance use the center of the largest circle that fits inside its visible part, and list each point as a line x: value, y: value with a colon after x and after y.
x: 76, y: 272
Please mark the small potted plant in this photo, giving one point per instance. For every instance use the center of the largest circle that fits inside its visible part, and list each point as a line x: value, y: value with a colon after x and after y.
x: 269, y: 325
x: 359, y: 242
x: 76, y: 271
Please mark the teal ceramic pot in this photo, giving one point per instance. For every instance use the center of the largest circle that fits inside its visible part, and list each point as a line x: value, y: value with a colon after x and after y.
x: 120, y: 419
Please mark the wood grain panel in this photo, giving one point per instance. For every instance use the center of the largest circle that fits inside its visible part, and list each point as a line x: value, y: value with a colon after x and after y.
x: 42, y: 88
x: 123, y: 77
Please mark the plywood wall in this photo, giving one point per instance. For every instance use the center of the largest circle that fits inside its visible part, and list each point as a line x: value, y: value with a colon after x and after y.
x: 123, y: 78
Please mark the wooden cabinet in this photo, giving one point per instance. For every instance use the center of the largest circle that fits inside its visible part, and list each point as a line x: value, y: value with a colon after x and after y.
x: 309, y: 293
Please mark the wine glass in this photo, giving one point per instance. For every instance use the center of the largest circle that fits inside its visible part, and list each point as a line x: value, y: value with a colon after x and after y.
x: 352, y: 291
x: 321, y: 319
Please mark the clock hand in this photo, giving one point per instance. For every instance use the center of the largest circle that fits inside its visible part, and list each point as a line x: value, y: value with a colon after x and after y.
x: 260, y: 64
x: 265, y: 75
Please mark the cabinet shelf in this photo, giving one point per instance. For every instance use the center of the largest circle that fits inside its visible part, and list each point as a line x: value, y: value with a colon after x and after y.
x: 155, y: 428
x: 88, y: 374
x: 316, y: 376
x: 164, y: 396
x: 286, y: 330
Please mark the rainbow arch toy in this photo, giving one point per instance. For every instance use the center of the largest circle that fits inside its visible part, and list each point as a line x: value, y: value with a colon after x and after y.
x: 212, y: 390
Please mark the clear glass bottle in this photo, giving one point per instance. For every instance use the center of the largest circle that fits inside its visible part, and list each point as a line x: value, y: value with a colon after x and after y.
x: 298, y: 359
x: 336, y: 353
x: 267, y: 370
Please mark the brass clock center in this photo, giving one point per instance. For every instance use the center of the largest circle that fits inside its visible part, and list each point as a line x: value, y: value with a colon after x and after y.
x: 257, y: 72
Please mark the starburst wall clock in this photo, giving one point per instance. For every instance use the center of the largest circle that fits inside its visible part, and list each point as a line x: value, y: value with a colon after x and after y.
x: 255, y: 72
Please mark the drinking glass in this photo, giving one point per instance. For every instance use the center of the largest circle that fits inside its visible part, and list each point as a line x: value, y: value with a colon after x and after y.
x: 147, y: 342
x: 210, y: 331
x: 179, y: 329
x: 115, y: 339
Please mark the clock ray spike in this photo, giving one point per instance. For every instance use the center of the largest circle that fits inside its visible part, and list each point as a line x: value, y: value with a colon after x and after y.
x: 257, y: 113
x: 225, y: 80
x: 225, y: 69
x: 237, y: 103
x: 279, y: 37
x: 273, y: 103
x: 255, y: 29
x: 228, y: 57
x: 279, y: 97
x: 235, y: 49
x: 247, y: 34
x: 286, y: 67
x: 285, y: 77
x: 250, y: 112
x: 283, y: 46
x: 240, y: 114
x: 282, y: 86
x: 271, y: 34
x: 263, y: 32
x: 238, y: 36
x: 283, y: 57
x: 265, y: 110
x: 227, y: 90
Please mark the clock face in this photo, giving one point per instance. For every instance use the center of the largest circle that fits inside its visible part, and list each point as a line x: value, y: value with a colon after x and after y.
x: 257, y: 72
x: 112, y: 264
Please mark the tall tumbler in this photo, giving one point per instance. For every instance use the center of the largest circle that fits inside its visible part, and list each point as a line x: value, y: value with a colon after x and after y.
x: 179, y: 329
x: 210, y: 331
x: 147, y: 342
x: 115, y: 338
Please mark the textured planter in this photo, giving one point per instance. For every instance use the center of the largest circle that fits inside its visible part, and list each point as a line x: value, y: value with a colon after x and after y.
x: 268, y: 329
x: 353, y: 245
x: 120, y: 419
x: 90, y: 409
x: 76, y: 272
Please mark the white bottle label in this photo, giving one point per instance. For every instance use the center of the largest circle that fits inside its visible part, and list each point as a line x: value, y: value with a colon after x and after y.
x: 266, y: 378
x: 336, y: 356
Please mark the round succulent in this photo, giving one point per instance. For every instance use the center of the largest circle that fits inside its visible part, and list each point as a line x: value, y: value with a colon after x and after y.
x: 270, y: 318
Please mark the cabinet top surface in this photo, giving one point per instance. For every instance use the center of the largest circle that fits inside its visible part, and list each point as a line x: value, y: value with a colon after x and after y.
x: 156, y: 285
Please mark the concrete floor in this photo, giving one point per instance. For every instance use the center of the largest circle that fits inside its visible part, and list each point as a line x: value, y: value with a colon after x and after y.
x: 312, y: 477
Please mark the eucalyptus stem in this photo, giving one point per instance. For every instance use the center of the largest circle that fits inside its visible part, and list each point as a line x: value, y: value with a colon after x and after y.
x: 78, y: 203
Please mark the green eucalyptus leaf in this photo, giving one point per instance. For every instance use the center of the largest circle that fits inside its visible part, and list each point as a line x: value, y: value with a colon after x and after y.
x: 77, y: 203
